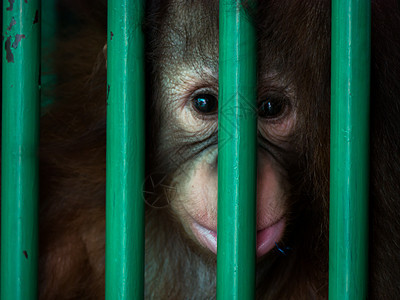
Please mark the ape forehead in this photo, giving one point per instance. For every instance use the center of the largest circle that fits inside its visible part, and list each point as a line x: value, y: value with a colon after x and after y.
x: 293, y: 39
x: 190, y: 34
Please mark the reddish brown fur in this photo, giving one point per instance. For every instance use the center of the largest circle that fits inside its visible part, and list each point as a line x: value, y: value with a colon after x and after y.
x: 294, y: 41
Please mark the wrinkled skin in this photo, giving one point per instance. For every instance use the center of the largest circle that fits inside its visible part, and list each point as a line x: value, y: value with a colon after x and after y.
x: 181, y: 182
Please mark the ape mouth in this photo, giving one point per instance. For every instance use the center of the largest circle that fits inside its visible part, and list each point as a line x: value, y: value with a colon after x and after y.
x: 266, y: 237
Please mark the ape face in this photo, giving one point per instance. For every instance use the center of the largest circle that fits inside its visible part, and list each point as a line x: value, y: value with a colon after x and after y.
x: 187, y: 103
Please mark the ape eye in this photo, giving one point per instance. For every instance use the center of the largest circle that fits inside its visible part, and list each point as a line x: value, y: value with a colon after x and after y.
x: 272, y: 107
x: 205, y: 104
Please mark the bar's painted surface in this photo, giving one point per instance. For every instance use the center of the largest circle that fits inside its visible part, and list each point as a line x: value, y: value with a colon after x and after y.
x: 237, y: 147
x: 19, y: 158
x: 348, y: 246
x: 125, y: 151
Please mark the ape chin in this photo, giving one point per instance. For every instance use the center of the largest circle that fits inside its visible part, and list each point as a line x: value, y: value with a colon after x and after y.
x: 182, y: 154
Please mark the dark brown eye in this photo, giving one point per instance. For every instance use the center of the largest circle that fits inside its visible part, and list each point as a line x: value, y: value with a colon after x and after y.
x: 271, y: 108
x: 205, y: 104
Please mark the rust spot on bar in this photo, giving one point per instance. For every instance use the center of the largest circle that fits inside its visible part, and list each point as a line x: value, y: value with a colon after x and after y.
x: 18, y: 38
x: 108, y: 93
x: 36, y: 17
x: 26, y: 1
x: 11, y: 7
x: 25, y: 254
x: 12, y: 23
x: 9, y: 54
x: 111, y: 34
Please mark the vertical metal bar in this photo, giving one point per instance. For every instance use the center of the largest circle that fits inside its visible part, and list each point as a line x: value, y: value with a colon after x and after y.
x: 19, y: 159
x: 125, y: 151
x: 237, y: 144
x: 348, y: 246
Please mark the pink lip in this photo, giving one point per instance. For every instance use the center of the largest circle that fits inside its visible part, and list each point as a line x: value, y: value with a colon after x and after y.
x: 205, y: 236
x: 266, y: 238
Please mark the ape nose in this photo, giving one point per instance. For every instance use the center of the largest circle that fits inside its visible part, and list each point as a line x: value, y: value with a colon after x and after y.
x: 270, y: 196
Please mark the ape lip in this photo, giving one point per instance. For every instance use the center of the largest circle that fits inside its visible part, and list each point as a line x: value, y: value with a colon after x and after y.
x: 266, y: 238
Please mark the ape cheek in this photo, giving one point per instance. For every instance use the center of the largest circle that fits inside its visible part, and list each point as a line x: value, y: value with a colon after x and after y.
x: 271, y: 204
x: 271, y: 192
x: 195, y: 201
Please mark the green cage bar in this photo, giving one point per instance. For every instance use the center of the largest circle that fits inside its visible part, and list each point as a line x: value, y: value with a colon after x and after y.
x: 125, y: 151
x: 348, y: 246
x: 237, y: 152
x: 19, y: 157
